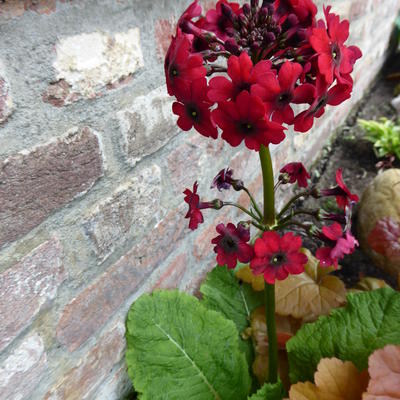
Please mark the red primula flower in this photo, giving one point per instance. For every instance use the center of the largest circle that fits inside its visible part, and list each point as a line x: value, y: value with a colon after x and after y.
x: 297, y: 173
x: 276, y: 257
x: 193, y: 109
x: 340, y: 244
x: 193, y: 11
x: 342, y: 193
x: 243, y: 75
x: 195, y: 205
x: 334, y: 96
x: 231, y: 245
x: 180, y: 66
x: 244, y: 119
x: 334, y: 58
x: 216, y: 21
x: 305, y: 10
x: 278, y: 92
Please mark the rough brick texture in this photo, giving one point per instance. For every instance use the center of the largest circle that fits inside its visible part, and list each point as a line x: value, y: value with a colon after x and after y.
x: 27, y: 286
x: 39, y: 180
x: 90, y: 154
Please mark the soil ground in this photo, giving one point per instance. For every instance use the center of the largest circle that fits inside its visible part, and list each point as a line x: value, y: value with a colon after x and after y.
x: 352, y: 152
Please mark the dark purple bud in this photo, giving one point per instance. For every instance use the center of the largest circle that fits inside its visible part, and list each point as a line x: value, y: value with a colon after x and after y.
x: 246, y: 9
x: 231, y: 46
x: 270, y: 37
x: 243, y: 20
x: 237, y: 185
x: 244, y: 229
x: 228, y: 13
x: 264, y: 13
x: 254, y: 3
x: 218, y: 204
x: 291, y: 21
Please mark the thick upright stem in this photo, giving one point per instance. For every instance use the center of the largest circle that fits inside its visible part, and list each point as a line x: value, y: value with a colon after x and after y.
x: 271, y: 331
x: 269, y: 220
x: 268, y: 184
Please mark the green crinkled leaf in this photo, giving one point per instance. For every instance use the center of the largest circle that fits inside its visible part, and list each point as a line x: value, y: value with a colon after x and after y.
x: 222, y: 292
x: 269, y: 392
x: 177, y: 349
x: 370, y: 321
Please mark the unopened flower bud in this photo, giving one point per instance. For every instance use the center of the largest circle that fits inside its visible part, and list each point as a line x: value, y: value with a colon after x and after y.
x: 244, y: 225
x: 231, y: 46
x: 237, y: 184
x: 284, y: 178
x: 315, y: 193
x: 217, y: 204
x: 269, y: 37
x: 228, y: 13
x: 246, y: 9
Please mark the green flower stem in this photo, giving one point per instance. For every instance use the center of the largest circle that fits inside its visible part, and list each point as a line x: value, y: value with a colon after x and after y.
x: 269, y: 220
x: 293, y: 200
x: 229, y: 203
x: 253, y: 202
x: 271, y: 332
x: 268, y: 184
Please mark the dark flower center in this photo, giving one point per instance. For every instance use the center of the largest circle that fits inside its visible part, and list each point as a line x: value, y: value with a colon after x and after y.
x: 336, y: 53
x: 278, y: 259
x: 173, y: 71
x: 192, y: 112
x: 285, y: 98
x: 229, y: 244
x: 247, y: 127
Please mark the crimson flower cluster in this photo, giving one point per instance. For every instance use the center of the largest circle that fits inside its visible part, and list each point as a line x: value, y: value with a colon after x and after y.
x: 274, y: 56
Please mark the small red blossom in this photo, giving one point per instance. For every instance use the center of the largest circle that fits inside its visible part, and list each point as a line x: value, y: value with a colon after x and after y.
x: 182, y: 67
x: 243, y: 75
x: 193, y: 11
x: 340, y: 243
x: 278, y: 92
x: 276, y: 257
x: 297, y: 173
x: 385, y: 238
x: 193, y: 109
x: 194, y: 214
x: 231, y: 245
x: 244, y: 119
x: 322, y: 97
x: 334, y: 58
x: 216, y: 21
x: 305, y: 10
x: 342, y: 193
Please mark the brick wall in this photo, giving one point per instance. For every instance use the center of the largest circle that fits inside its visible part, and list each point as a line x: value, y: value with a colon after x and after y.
x: 92, y: 170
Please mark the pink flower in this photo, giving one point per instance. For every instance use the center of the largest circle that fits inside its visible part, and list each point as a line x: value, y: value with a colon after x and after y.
x: 231, y: 245
x: 297, y: 173
x: 339, y: 244
x: 276, y: 257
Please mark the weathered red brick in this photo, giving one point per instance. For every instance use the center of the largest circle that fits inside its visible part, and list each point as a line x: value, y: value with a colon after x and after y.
x: 86, y: 313
x: 163, y: 31
x: 81, y: 381
x: 28, y: 286
x: 22, y: 370
x: 15, y: 8
x: 126, y: 214
x: 59, y: 94
x: 173, y: 274
x: 38, y: 181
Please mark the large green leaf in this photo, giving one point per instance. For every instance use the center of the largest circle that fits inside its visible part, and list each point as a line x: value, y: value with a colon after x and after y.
x: 370, y: 321
x: 269, y: 392
x: 177, y: 349
x: 224, y: 293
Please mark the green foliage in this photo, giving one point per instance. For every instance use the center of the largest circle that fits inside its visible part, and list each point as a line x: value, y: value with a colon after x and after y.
x: 370, y: 321
x: 269, y: 392
x: 384, y: 134
x: 222, y: 292
x: 178, y: 349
